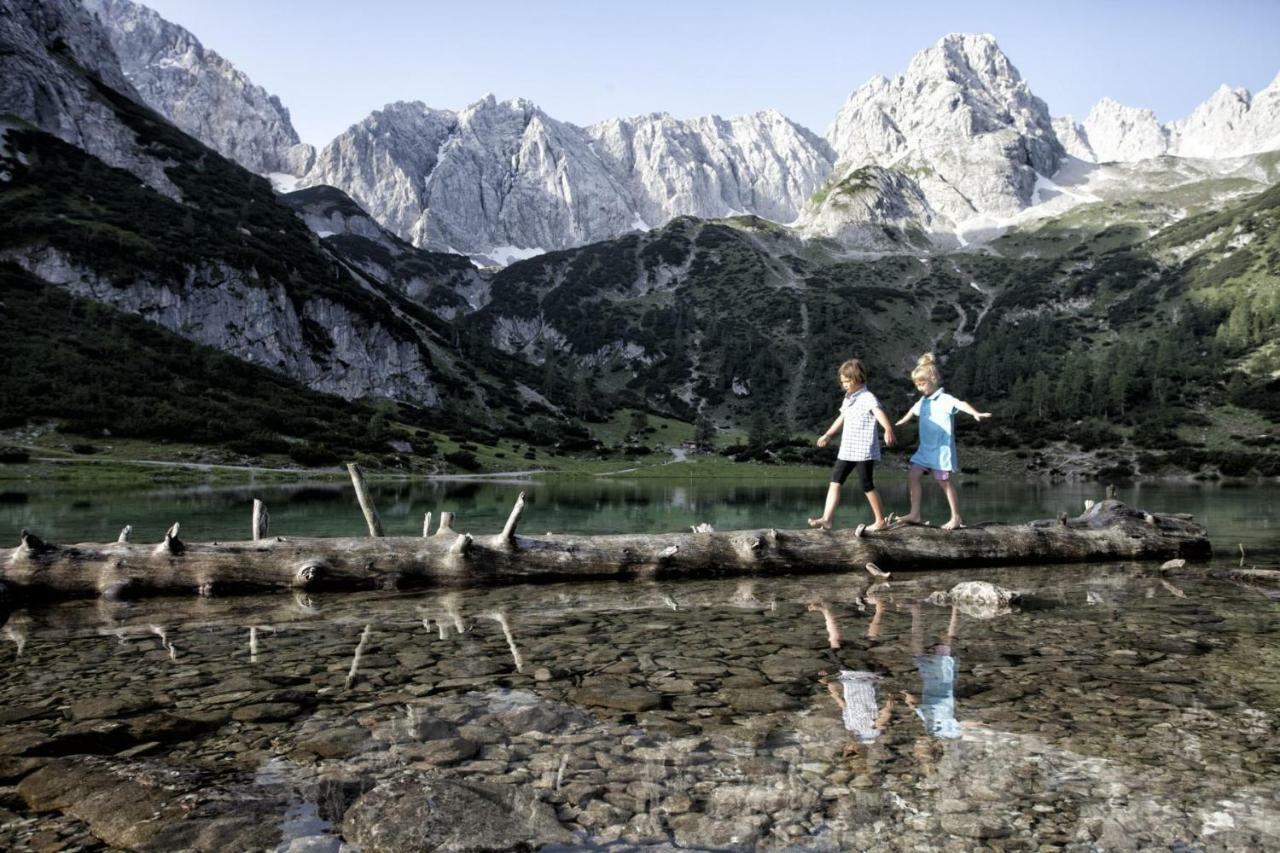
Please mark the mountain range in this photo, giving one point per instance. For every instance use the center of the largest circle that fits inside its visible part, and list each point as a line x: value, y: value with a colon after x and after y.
x: 704, y: 269
x: 945, y: 154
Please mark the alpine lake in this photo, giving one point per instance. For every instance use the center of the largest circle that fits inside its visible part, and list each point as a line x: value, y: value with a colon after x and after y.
x: 1111, y: 707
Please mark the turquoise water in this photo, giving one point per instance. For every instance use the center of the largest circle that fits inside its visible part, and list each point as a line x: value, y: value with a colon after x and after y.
x: 1248, y: 515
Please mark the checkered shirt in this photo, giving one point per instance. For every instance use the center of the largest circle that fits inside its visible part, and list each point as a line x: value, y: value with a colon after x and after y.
x: 859, y: 440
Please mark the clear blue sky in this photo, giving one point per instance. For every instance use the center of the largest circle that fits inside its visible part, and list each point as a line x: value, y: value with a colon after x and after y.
x: 334, y: 61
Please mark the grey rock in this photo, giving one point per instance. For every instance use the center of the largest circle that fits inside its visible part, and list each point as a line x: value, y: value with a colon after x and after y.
x: 437, y: 814
x: 974, y: 826
x: 102, y: 707
x: 443, y: 752
x: 339, y: 742
x: 266, y: 712
x: 471, y: 666
x: 728, y: 801
x: 14, y: 768
x: 619, y: 697
x: 703, y: 831
x: 428, y: 728
x: 199, y: 91
x: 759, y: 700
x: 145, y: 806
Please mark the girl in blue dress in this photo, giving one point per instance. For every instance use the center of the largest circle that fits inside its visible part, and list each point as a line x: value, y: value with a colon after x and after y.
x: 936, y: 410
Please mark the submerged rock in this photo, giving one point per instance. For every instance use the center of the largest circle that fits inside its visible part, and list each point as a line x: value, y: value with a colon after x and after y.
x: 151, y: 806
x: 436, y: 814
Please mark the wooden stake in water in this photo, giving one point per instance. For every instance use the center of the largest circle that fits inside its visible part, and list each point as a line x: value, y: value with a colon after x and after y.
x: 253, y: 644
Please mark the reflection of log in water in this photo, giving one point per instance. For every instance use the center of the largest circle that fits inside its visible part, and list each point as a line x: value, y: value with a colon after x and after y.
x: 1107, y: 530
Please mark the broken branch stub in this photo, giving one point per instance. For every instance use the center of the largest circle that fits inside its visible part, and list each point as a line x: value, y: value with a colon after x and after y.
x: 366, y: 500
x: 446, y: 524
x: 509, y: 530
x: 261, y: 520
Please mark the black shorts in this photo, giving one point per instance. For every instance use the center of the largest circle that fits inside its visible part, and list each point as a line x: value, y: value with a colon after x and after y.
x: 864, y: 467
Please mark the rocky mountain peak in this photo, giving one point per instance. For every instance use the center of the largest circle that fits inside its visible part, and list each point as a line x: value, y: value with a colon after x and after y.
x: 200, y: 91
x: 960, y: 121
x: 1119, y: 132
x: 1230, y: 123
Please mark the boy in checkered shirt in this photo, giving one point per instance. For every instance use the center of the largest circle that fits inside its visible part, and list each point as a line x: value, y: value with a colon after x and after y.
x: 859, y: 444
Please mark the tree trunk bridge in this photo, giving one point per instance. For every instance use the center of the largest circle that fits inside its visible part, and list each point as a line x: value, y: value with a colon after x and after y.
x: 1107, y: 530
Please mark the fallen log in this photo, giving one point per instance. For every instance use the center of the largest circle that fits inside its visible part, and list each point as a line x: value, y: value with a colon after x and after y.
x: 1107, y: 530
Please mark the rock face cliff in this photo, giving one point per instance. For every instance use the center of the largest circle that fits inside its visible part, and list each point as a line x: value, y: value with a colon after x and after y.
x: 503, y: 179
x: 961, y: 123
x: 321, y: 343
x: 200, y: 91
x: 54, y: 61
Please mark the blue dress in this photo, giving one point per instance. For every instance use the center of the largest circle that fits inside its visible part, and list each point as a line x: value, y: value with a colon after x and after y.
x: 937, y: 414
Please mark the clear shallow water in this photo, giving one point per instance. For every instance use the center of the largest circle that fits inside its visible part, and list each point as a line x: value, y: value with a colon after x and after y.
x: 1114, y: 708
x: 1233, y: 515
x: 1117, y: 708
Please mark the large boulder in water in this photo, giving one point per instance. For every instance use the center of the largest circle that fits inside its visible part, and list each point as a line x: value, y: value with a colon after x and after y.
x: 978, y: 599
x: 440, y: 814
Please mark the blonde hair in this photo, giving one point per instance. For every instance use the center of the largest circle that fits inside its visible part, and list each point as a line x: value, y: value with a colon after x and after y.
x: 853, y: 370
x: 926, y: 369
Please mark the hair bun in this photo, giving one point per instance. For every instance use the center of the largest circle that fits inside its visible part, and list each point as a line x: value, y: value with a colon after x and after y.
x: 926, y: 359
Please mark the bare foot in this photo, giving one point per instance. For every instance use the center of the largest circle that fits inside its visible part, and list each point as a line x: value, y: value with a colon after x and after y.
x: 953, y: 524
x: 878, y: 526
x: 913, y: 518
x: 819, y: 524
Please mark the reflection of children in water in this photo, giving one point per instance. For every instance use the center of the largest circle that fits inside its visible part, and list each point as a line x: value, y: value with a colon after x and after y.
x: 936, y: 707
x: 856, y: 688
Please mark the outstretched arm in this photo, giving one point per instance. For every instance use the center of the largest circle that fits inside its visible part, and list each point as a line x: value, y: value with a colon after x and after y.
x: 831, y: 430
x: 970, y: 410
x: 884, y: 423
x: 912, y: 412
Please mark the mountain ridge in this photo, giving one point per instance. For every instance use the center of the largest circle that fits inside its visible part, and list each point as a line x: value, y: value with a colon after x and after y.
x: 965, y: 142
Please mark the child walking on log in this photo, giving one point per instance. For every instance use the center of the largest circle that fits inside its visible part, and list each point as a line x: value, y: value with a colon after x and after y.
x: 937, y: 452
x: 859, y: 444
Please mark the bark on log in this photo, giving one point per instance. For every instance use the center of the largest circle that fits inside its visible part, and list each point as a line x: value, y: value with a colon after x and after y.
x: 1107, y: 531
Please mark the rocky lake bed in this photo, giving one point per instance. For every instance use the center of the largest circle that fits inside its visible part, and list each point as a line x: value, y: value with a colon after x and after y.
x: 1110, y: 706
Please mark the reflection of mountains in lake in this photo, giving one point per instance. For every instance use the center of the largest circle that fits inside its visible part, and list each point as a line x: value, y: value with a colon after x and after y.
x: 676, y: 712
